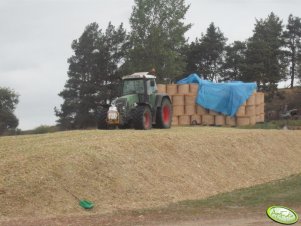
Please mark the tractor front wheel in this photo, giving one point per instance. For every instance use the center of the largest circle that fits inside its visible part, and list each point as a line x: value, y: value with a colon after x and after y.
x: 164, y: 114
x: 143, y: 118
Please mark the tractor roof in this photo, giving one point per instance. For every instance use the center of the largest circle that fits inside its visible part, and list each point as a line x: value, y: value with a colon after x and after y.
x: 139, y: 75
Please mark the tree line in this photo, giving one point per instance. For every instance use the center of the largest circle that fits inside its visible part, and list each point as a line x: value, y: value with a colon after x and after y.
x: 157, y: 40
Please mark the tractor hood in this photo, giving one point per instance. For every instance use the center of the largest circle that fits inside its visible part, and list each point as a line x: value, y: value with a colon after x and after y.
x: 127, y: 101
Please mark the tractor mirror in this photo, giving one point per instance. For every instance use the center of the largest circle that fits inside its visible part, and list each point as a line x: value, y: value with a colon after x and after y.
x: 152, y: 83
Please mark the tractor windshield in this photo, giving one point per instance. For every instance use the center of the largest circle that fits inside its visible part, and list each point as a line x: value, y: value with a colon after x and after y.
x: 133, y: 86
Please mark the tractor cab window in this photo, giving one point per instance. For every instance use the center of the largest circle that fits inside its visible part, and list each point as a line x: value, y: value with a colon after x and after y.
x: 151, y: 86
x: 133, y: 86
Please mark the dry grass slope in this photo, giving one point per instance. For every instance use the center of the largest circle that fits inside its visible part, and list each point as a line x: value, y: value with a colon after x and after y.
x: 127, y: 169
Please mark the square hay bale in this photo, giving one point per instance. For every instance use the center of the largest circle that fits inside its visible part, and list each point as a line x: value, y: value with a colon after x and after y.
x: 183, y: 89
x: 184, y: 120
x: 190, y: 110
x: 220, y: 120
x: 211, y: 112
x: 178, y: 99
x: 195, y: 119
x: 201, y: 111
x: 175, y: 121
x: 230, y: 121
x: 161, y: 88
x: 190, y: 99
x: 251, y: 100
x: 250, y: 110
x: 241, y: 111
x: 193, y: 88
x: 207, y: 120
x: 171, y: 89
x: 243, y: 121
x: 178, y: 110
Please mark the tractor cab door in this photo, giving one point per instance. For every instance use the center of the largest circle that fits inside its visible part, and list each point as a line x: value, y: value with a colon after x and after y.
x: 151, y: 90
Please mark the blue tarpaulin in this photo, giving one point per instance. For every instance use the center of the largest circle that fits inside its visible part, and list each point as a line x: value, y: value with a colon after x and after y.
x: 225, y: 98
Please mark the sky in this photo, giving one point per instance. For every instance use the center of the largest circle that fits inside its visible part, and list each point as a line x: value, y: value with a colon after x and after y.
x: 36, y: 36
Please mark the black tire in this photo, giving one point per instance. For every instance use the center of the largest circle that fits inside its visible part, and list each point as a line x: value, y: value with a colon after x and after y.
x: 142, y: 118
x: 102, y: 119
x: 164, y: 114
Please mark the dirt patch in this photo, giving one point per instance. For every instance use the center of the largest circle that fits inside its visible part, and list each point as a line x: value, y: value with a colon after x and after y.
x: 128, y: 169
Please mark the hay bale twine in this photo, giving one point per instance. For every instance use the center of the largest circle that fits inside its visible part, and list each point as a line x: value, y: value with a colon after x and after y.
x: 207, y: 120
x: 161, y: 88
x: 220, y: 120
x: 184, y: 120
x: 178, y: 99
x: 211, y: 112
x: 253, y: 120
x: 193, y: 88
x: 251, y: 100
x: 242, y: 121
x: 175, y: 121
x: 250, y: 110
x: 183, y: 89
x: 201, y: 111
x: 190, y: 99
x: 241, y: 111
x: 171, y: 89
x: 178, y: 110
x: 190, y: 110
x: 230, y: 121
x: 195, y: 119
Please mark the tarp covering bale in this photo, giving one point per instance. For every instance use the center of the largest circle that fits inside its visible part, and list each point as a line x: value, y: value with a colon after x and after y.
x: 225, y: 98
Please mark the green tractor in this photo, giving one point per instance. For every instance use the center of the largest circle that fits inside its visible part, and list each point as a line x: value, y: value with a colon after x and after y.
x: 140, y: 106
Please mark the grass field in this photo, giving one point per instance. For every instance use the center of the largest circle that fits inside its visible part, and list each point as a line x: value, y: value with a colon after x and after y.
x: 128, y: 169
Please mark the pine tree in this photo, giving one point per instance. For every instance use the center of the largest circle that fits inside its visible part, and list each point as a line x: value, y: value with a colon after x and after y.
x: 205, y: 55
x: 8, y: 101
x: 292, y: 37
x: 234, y: 61
x: 92, y: 75
x: 157, y: 37
x: 265, y: 58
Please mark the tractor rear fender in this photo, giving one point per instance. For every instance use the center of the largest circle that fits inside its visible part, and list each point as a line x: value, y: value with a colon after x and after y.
x: 159, y: 99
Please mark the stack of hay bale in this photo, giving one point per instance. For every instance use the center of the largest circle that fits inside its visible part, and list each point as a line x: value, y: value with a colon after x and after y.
x: 187, y: 112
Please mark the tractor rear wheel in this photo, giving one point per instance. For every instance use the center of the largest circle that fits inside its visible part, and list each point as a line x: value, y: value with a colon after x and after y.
x: 164, y: 114
x: 142, y: 118
x: 102, y: 119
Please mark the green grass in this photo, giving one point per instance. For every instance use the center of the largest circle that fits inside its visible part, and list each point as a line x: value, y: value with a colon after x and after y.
x: 282, y: 192
x: 277, y: 124
x: 286, y: 192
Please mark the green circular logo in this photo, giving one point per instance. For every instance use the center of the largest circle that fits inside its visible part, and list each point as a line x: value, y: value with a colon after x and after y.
x: 282, y: 215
